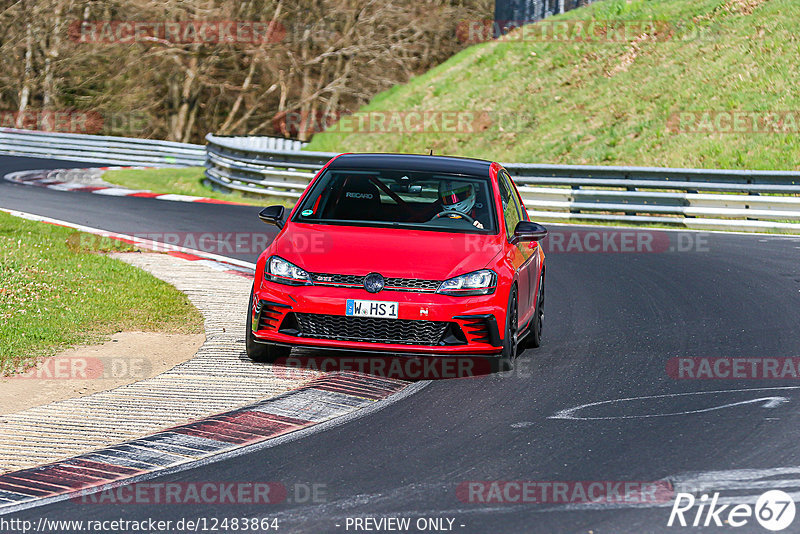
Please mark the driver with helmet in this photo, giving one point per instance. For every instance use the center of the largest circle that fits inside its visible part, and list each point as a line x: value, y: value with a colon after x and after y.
x: 458, y: 201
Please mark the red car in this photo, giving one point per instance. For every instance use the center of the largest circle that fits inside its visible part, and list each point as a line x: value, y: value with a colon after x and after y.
x: 395, y: 253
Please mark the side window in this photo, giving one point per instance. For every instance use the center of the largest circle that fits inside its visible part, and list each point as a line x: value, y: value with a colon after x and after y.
x: 523, y: 214
x: 511, y: 208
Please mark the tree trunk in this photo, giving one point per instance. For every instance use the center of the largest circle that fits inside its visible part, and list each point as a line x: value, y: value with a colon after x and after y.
x: 25, y: 92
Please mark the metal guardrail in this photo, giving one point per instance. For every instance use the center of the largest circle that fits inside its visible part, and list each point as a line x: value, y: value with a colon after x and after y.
x: 258, y: 142
x: 274, y: 167
x: 694, y: 198
x: 100, y: 149
x: 230, y: 166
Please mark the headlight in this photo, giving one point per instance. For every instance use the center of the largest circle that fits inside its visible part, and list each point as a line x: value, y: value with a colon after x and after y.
x: 477, y: 283
x: 281, y: 271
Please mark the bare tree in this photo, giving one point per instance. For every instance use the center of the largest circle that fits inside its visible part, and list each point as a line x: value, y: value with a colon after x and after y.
x: 320, y: 58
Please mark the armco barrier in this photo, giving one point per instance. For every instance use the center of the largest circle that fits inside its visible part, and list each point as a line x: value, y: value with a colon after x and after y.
x: 124, y: 150
x: 277, y: 168
x: 281, y: 173
x: 693, y: 198
x: 100, y: 149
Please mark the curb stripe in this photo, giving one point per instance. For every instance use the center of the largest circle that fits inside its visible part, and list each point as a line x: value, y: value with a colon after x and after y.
x: 150, y: 456
x: 35, y: 477
x: 100, y: 474
x: 33, y: 486
x: 30, y: 492
x: 216, y: 201
x: 10, y: 497
x: 87, y: 189
x: 39, y: 178
x: 117, y: 191
x: 105, y: 457
x: 100, y: 468
x: 256, y: 421
x: 166, y: 448
x: 321, y: 400
x: 226, y: 431
x: 83, y: 476
x: 184, y: 255
x: 315, y: 405
x: 353, y: 390
x: 183, y: 440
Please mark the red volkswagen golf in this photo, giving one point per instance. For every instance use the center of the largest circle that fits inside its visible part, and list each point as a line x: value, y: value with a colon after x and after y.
x: 404, y: 254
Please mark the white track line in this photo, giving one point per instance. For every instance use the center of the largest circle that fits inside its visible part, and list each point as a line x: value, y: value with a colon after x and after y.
x: 144, y: 243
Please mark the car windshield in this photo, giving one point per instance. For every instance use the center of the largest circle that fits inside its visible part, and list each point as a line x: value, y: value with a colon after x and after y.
x: 392, y: 198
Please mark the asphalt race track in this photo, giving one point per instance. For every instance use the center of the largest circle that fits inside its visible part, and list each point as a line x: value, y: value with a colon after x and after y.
x: 613, y: 321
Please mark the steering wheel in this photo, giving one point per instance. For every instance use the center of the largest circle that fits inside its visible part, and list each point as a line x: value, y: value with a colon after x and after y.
x: 448, y: 213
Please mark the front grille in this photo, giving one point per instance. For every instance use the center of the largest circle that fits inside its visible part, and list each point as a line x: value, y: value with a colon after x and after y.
x: 412, y: 284
x: 394, y: 331
x: 392, y: 284
x: 337, y: 279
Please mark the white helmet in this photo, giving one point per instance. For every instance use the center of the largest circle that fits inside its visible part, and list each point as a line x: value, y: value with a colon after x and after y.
x: 457, y: 196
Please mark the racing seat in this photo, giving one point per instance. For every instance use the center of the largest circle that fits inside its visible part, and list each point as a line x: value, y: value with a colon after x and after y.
x: 358, y: 199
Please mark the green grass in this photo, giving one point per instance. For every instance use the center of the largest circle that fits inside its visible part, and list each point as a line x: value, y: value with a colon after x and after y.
x: 571, y: 103
x: 184, y: 181
x: 58, y: 289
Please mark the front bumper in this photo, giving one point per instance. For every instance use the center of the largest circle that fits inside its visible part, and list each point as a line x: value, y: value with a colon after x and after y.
x: 427, y: 323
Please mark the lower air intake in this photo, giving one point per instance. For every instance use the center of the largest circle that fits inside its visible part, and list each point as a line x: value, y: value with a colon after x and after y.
x: 394, y: 331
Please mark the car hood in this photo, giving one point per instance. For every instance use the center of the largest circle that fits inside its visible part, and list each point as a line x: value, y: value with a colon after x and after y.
x: 393, y: 252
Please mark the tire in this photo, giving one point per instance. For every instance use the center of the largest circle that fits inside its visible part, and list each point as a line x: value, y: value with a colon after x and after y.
x: 510, y: 342
x: 535, y: 336
x: 261, y: 352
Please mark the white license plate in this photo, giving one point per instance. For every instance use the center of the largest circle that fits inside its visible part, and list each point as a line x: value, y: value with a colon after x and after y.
x: 371, y: 308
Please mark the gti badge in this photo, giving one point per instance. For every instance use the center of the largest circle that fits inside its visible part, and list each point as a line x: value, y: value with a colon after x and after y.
x: 373, y: 282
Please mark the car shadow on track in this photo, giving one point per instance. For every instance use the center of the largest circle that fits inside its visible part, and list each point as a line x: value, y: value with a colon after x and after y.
x: 410, y: 368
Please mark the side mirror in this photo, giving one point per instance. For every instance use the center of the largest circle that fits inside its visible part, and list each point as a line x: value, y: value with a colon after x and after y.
x: 272, y: 215
x: 529, y: 231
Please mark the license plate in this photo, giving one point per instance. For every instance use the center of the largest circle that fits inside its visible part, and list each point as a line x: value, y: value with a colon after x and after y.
x: 371, y: 308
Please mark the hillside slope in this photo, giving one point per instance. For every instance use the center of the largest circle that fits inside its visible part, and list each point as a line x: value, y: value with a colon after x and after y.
x: 714, y: 83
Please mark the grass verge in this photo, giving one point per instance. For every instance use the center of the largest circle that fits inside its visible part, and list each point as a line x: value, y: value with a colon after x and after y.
x: 184, y: 181
x: 57, y: 291
x: 603, y: 101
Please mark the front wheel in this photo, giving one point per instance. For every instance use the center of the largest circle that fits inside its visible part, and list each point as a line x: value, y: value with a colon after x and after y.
x: 260, y: 352
x: 512, y: 318
x: 535, y: 336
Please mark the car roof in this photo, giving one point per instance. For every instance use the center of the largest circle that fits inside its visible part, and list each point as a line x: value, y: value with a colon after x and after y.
x: 412, y: 162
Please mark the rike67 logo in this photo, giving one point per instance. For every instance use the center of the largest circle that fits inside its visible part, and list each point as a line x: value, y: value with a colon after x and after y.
x: 774, y: 510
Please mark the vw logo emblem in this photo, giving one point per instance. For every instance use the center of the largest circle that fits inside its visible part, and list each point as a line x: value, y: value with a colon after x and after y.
x: 373, y: 282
